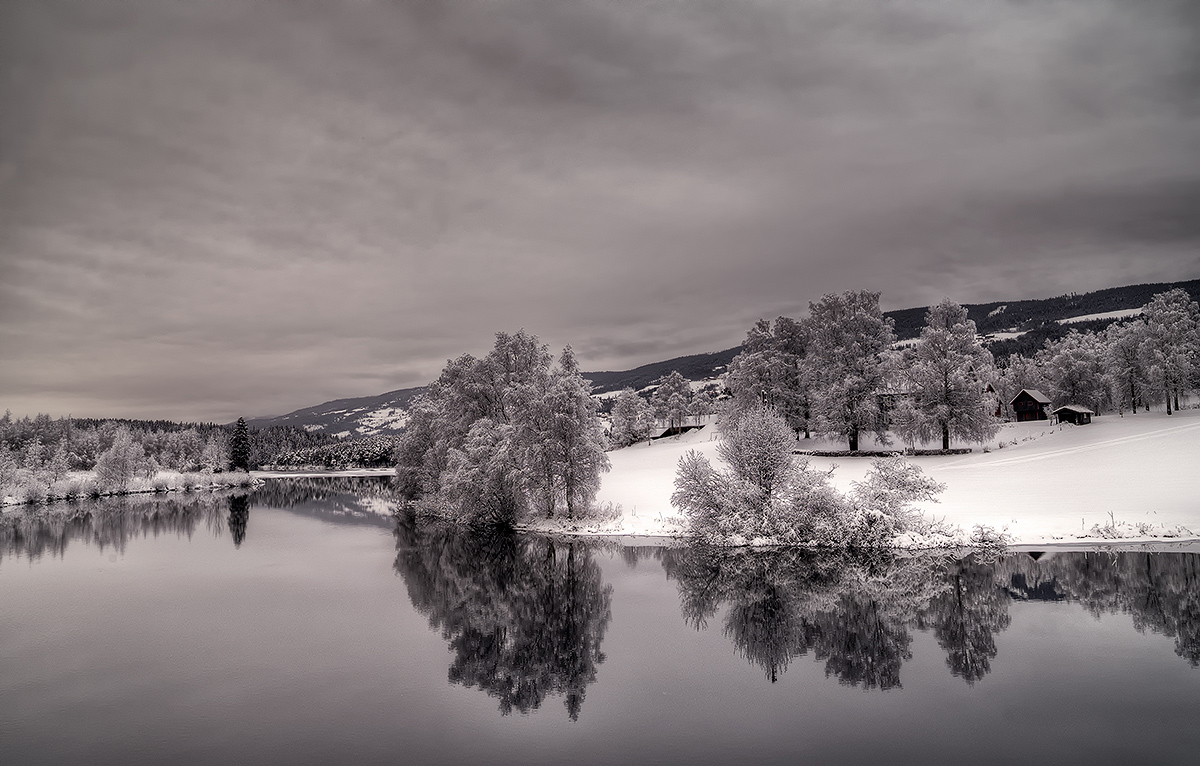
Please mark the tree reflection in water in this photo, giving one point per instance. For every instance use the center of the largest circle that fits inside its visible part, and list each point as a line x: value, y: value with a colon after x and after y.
x: 856, y: 613
x: 239, y: 517
x: 111, y: 522
x: 524, y: 616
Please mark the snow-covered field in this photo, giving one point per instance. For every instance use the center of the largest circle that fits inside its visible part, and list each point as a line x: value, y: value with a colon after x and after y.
x: 1132, y: 478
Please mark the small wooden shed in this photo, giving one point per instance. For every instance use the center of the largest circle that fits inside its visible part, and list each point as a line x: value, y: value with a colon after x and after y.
x: 1074, y: 413
x: 1030, y: 404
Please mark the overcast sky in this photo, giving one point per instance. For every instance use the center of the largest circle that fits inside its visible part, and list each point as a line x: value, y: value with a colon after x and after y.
x: 213, y: 209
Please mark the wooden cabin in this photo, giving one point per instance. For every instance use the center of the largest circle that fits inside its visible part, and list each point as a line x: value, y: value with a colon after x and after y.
x: 1030, y: 404
x: 1074, y: 413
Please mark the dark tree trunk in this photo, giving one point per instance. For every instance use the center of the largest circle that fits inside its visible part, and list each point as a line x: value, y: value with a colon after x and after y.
x: 854, y: 440
x: 945, y: 436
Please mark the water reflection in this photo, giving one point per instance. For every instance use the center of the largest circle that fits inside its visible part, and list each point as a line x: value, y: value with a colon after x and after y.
x: 856, y: 614
x: 524, y: 616
x: 111, y: 522
x: 367, y: 500
x: 239, y: 517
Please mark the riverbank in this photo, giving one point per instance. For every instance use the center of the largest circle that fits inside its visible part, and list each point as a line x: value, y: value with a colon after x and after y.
x: 84, y: 484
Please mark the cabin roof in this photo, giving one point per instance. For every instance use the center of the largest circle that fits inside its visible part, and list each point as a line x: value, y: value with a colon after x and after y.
x: 1038, y: 396
x: 1075, y: 408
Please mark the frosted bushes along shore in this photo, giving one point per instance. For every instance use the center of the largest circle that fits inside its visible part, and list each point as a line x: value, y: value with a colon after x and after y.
x: 769, y: 497
x: 28, y: 488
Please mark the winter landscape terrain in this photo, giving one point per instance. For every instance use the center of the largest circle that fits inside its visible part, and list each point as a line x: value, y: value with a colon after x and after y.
x: 1129, y: 479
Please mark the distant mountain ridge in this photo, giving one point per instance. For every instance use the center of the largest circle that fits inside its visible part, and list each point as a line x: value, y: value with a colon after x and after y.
x: 1039, y: 318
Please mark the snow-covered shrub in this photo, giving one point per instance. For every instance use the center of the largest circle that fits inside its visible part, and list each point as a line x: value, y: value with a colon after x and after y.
x: 890, y: 488
x: 770, y: 496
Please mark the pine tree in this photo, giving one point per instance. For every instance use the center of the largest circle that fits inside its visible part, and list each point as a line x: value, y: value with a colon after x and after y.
x: 239, y: 447
x: 947, y: 372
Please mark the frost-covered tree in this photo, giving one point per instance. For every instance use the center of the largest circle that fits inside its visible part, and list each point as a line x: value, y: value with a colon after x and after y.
x: 59, y: 464
x: 1171, y: 348
x: 1074, y: 370
x: 849, y: 339
x: 947, y: 373
x: 507, y: 431
x: 215, y: 457
x: 672, y: 399
x: 632, y: 418
x: 1124, y: 368
x: 576, y: 435
x: 484, y: 479
x: 771, y: 370
x: 121, y: 462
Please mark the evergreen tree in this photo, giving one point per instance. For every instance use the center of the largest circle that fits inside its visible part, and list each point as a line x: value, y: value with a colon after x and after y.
x: 239, y: 447
x: 947, y: 372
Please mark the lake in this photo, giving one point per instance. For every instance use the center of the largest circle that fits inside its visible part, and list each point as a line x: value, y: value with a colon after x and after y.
x: 302, y: 624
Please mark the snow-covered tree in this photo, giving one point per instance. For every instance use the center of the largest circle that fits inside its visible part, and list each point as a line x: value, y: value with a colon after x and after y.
x: 59, y: 464
x: 576, y: 434
x: 122, y: 461
x: 632, y: 418
x: 849, y: 339
x: 1074, y: 369
x: 484, y: 479
x: 771, y: 371
x: 494, y: 437
x: 1124, y: 368
x: 672, y: 399
x: 215, y: 457
x: 947, y: 373
x: 1172, y: 345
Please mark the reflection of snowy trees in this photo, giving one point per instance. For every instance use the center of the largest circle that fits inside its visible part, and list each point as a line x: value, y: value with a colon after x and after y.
x: 853, y: 612
x: 524, y: 616
x: 966, y: 616
x: 1160, y: 591
x: 856, y: 613
x: 110, y: 522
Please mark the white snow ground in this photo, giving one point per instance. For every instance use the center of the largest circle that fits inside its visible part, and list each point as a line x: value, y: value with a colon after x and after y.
x: 1056, y: 484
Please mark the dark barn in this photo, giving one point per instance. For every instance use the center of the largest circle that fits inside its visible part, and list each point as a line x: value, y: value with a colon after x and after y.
x: 1074, y: 413
x: 1030, y: 404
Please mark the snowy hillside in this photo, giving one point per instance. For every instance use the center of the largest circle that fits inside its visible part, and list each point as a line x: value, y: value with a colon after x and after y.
x: 1129, y: 478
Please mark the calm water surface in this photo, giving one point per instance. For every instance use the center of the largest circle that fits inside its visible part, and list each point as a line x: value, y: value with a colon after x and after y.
x: 300, y: 624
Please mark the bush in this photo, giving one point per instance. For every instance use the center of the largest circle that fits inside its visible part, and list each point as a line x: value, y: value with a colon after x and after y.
x: 771, y: 497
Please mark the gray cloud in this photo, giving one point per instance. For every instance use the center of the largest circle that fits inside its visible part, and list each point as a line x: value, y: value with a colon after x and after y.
x: 210, y: 209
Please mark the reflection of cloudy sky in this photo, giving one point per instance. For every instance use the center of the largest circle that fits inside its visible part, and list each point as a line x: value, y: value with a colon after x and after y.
x: 215, y: 208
